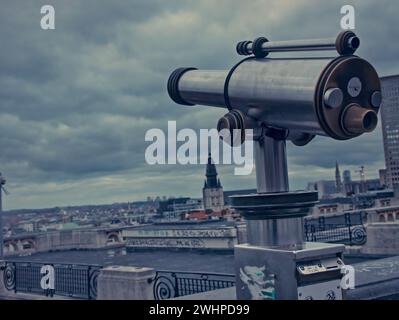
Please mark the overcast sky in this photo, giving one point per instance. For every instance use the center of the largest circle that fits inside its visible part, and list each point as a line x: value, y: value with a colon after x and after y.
x: 75, y: 102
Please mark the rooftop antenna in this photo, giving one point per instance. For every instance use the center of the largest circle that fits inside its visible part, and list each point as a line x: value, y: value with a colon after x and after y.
x: 362, y: 173
x: 2, y: 189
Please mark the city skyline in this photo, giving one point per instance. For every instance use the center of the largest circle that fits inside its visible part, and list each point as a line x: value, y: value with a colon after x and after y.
x: 163, y: 197
x: 73, y: 114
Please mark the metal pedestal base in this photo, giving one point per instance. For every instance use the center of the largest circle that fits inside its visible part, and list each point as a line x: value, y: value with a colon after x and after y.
x: 310, y: 273
x: 277, y: 263
x: 275, y: 219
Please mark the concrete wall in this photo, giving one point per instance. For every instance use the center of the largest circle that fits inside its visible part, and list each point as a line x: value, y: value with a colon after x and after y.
x: 126, y: 283
x: 382, y: 239
x: 242, y: 233
x: 63, y: 240
x: 72, y: 239
x: 214, y: 239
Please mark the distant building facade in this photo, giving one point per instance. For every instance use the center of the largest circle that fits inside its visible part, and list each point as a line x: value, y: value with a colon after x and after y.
x: 192, y: 235
x: 382, y: 231
x: 390, y: 128
x: 347, y: 181
x: 345, y: 187
x: 383, y: 177
x: 173, y: 209
x: 325, y: 188
x: 340, y: 204
x: 213, y: 197
x: 328, y: 189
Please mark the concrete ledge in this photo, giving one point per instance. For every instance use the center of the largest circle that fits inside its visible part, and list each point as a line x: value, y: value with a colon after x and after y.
x: 125, y: 283
x: 382, y: 238
x: 376, y: 291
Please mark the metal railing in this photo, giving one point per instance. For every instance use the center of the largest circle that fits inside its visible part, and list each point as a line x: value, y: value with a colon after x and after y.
x: 170, y: 284
x: 77, y: 281
x: 343, y: 230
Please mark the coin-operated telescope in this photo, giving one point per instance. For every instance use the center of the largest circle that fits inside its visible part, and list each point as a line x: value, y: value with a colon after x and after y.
x: 283, y: 99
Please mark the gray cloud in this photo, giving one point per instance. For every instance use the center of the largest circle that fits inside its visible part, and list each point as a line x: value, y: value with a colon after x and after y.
x: 75, y: 103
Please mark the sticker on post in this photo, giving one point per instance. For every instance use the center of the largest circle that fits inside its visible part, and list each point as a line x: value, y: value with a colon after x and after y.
x: 260, y: 285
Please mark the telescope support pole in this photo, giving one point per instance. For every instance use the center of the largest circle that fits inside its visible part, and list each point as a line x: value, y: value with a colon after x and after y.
x: 271, y: 177
x: 271, y: 165
x: 1, y: 225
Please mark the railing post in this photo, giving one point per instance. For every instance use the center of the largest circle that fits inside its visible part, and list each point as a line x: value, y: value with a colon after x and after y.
x: 306, y: 228
x: 322, y: 223
x: 178, y: 292
x: 313, y: 233
x: 361, y: 217
x: 349, y: 225
x: 88, y: 282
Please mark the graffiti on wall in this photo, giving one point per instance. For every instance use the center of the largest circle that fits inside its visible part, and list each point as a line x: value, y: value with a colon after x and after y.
x: 166, y: 243
x: 180, y: 233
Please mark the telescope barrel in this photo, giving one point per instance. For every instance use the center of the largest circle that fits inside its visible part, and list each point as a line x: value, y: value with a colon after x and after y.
x: 345, y: 43
x: 314, y: 96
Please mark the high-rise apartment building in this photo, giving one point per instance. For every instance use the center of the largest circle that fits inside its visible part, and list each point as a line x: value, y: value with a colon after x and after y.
x: 390, y: 128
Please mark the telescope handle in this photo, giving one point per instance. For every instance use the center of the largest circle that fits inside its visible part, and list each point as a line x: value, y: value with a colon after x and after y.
x: 345, y: 43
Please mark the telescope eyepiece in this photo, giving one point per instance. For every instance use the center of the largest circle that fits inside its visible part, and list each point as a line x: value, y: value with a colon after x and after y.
x: 354, y: 43
x: 232, y: 127
x: 173, y: 86
x: 358, y: 120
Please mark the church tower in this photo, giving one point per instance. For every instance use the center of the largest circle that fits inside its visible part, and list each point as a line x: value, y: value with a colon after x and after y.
x: 338, y: 182
x: 212, y: 192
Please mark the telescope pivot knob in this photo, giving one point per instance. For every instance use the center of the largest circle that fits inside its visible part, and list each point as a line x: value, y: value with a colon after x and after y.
x: 231, y: 128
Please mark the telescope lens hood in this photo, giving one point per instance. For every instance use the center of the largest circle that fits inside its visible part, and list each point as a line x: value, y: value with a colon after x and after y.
x: 173, y: 86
